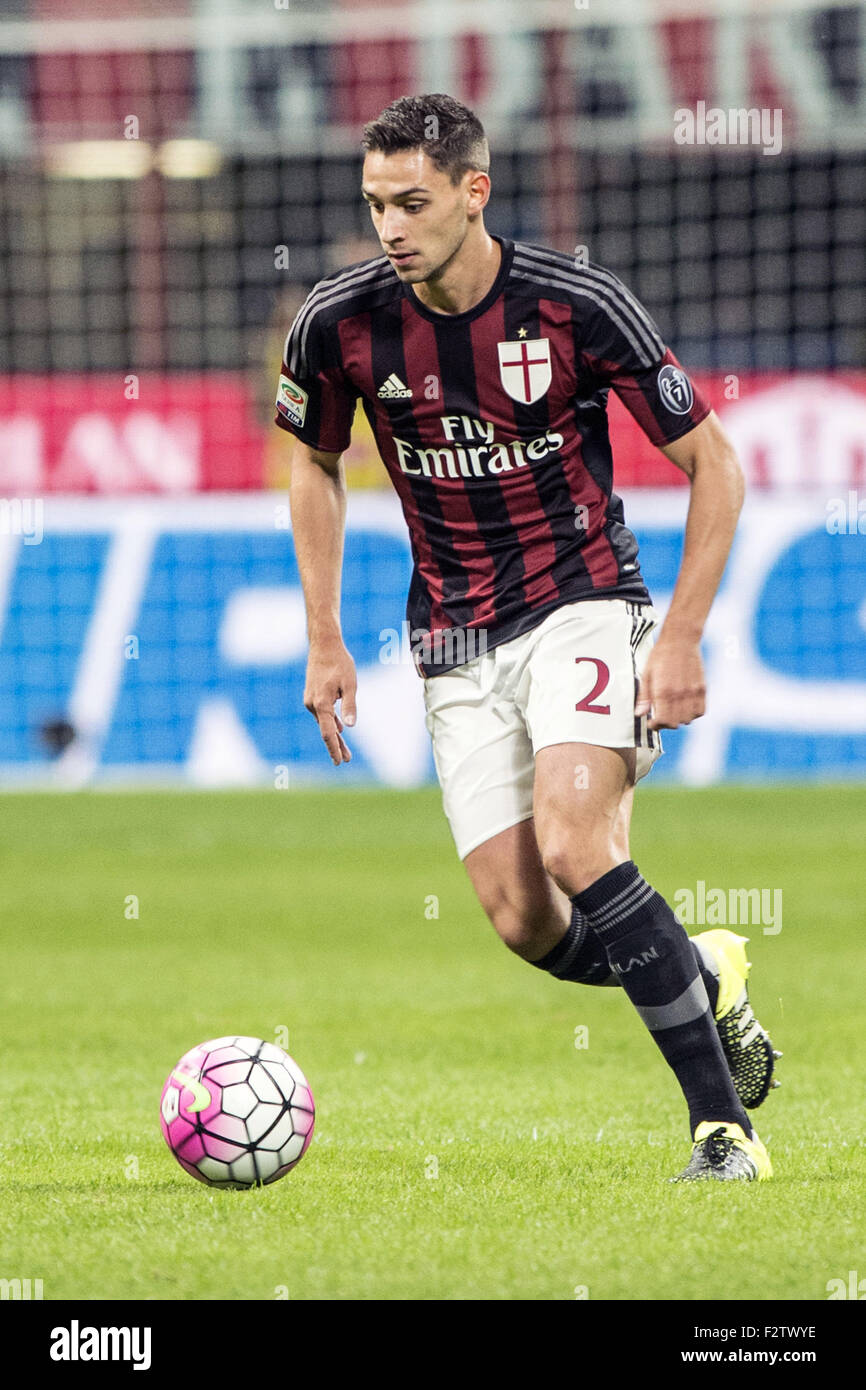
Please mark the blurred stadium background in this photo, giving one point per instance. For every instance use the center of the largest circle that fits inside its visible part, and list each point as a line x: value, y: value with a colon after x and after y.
x: 175, y: 176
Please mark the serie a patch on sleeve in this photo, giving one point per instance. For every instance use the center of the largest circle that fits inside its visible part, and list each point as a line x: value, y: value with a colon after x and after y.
x: 292, y: 401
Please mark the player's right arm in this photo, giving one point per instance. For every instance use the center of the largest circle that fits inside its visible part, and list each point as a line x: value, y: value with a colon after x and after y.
x: 317, y: 493
x: 315, y: 403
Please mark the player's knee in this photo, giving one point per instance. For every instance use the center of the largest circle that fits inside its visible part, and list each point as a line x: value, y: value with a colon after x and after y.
x: 519, y: 925
x: 560, y: 860
x: 573, y: 867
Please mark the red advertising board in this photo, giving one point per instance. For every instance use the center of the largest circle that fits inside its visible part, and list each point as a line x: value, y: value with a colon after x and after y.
x: 794, y: 430
x: 115, y: 434
x: 210, y: 432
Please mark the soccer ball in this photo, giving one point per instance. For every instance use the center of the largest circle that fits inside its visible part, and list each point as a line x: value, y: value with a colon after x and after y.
x: 237, y: 1112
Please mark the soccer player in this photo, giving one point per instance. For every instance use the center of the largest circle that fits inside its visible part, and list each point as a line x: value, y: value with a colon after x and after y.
x: 484, y: 366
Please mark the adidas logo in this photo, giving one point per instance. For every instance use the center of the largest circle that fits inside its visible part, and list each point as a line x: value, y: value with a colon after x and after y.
x: 393, y: 389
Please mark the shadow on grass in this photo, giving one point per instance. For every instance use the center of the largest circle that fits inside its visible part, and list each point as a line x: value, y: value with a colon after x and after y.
x: 118, y: 1185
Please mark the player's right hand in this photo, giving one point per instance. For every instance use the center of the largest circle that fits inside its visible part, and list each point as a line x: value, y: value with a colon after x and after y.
x: 331, y: 676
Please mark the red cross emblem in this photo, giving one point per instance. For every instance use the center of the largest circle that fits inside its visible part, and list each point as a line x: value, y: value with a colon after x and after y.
x: 525, y: 370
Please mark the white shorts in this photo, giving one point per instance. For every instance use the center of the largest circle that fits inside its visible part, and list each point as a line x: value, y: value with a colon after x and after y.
x: 571, y: 679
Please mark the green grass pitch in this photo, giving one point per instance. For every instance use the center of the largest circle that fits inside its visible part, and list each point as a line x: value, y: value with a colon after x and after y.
x: 465, y: 1148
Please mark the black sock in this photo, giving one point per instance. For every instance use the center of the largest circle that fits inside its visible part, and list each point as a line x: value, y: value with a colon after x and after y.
x: 709, y: 973
x: 651, y: 954
x: 580, y: 956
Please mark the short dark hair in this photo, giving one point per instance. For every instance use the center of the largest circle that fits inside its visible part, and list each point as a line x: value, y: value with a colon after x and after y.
x: 444, y: 128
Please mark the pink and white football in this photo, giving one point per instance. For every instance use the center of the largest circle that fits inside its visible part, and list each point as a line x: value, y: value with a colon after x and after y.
x: 237, y: 1112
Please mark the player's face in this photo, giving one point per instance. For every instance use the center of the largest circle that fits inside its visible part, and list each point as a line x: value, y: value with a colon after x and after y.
x: 421, y: 217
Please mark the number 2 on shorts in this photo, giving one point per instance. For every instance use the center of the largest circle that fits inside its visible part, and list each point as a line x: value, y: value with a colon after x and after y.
x: 602, y: 676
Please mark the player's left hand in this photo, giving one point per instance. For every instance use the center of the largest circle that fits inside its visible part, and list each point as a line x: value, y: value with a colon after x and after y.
x: 673, y: 690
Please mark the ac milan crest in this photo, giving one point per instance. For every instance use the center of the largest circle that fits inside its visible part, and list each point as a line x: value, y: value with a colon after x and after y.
x: 525, y: 370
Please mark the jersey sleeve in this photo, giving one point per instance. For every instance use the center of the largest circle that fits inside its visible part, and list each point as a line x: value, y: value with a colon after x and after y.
x: 623, y: 349
x: 314, y: 401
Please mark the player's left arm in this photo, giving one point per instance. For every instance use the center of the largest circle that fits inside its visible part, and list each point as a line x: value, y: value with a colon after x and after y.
x: 673, y: 688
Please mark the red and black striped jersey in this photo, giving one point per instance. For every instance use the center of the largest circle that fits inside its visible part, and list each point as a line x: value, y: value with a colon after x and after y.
x: 493, y: 427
